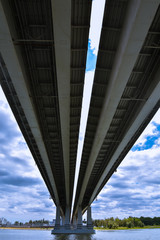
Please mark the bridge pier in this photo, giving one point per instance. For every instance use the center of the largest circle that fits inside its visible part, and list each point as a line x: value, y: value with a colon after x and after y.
x: 57, y: 224
x: 77, y: 227
x: 67, y: 218
x: 89, y: 218
x: 63, y: 220
x: 74, y: 222
x: 79, y: 224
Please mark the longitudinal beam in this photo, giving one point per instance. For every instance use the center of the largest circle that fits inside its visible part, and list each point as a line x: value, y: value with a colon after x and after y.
x: 133, y: 35
x: 61, y: 14
x: 15, y: 66
x: 143, y: 116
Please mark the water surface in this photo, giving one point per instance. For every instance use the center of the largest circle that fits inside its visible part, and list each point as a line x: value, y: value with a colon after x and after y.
x: 141, y: 234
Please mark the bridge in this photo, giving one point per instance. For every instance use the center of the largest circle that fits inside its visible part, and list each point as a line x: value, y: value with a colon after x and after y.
x: 43, y: 51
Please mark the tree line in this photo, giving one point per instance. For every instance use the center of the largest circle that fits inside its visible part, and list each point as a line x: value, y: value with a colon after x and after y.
x: 32, y: 223
x: 130, y: 222
x: 111, y: 223
x: 41, y: 222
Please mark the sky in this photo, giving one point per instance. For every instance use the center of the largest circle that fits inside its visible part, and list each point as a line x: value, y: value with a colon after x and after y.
x: 134, y: 190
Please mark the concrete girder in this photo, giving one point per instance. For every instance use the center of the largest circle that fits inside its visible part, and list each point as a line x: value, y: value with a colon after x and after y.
x: 61, y: 14
x: 133, y: 35
x: 15, y: 66
x: 143, y: 114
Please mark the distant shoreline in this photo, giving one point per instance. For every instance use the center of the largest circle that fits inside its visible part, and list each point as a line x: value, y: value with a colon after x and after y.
x: 96, y: 228
x: 125, y: 228
x: 28, y: 228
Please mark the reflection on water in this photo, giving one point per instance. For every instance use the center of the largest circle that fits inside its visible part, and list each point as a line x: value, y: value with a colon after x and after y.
x: 74, y: 237
x: 136, y: 234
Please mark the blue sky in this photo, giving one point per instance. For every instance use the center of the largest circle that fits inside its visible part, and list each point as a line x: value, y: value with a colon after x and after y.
x: 133, y: 190
x: 91, y: 59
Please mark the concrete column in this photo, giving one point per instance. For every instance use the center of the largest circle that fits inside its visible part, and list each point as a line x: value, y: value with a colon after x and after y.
x: 89, y: 218
x: 57, y: 224
x: 79, y: 225
x: 67, y: 220
x: 63, y: 220
x: 74, y: 222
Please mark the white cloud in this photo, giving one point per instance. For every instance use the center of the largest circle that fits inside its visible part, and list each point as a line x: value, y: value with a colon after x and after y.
x: 88, y: 84
x: 95, y: 24
x: 149, y: 130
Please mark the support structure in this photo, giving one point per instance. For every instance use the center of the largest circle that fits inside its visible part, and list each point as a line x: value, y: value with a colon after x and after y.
x: 67, y: 219
x: 61, y: 11
x: 57, y: 224
x: 74, y: 222
x: 133, y: 34
x: 79, y: 225
x: 63, y: 220
x: 89, y: 218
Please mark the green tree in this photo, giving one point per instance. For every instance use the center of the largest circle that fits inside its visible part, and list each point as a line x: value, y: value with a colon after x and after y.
x: 16, y: 223
x: 30, y: 222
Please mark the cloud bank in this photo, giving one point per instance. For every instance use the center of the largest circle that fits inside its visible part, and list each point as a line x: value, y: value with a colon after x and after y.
x: 23, y: 194
x: 134, y: 190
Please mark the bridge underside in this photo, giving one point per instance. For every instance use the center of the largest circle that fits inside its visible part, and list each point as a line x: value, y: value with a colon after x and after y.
x: 43, y: 56
x: 125, y: 92
x: 43, y: 51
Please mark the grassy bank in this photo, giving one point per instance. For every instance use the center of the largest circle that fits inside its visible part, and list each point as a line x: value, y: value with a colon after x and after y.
x: 125, y: 228
x: 96, y: 228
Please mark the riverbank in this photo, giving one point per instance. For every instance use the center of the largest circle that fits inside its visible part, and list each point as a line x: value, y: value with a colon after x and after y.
x: 96, y: 228
x: 28, y: 228
x: 125, y: 228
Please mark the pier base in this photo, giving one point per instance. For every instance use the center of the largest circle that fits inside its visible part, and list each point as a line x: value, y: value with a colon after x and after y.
x: 83, y: 230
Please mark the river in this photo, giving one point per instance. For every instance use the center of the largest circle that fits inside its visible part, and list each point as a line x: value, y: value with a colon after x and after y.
x: 141, y: 234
